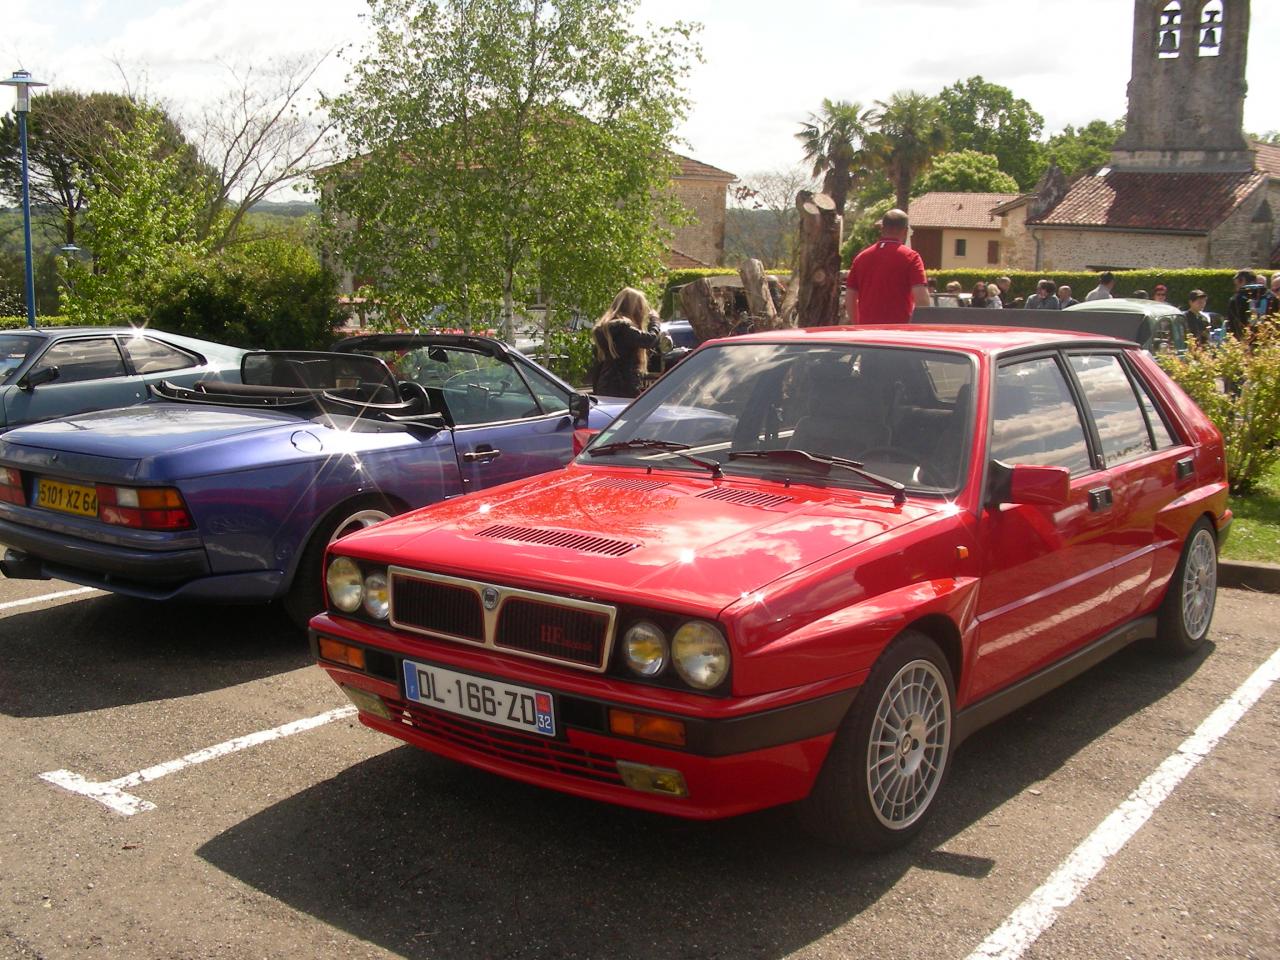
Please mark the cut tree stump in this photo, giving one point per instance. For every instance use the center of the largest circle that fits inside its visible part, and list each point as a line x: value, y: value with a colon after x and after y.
x: 816, y: 280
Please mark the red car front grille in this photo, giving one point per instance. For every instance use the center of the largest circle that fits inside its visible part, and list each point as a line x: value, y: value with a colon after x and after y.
x: 438, y: 607
x: 510, y: 746
x: 547, y: 630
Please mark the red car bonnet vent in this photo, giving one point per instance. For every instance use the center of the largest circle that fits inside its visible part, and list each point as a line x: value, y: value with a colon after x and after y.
x: 746, y: 498
x: 634, y: 484
x: 566, y: 539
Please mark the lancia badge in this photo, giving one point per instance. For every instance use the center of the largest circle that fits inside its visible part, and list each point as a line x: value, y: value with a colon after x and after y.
x: 490, y: 597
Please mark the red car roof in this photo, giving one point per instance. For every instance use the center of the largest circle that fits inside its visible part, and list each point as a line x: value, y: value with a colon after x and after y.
x: 971, y: 339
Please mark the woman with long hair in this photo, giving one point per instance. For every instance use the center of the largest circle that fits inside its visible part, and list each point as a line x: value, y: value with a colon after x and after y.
x: 978, y: 298
x: 623, y: 337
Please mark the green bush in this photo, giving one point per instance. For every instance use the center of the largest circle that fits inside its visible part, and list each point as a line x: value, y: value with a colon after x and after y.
x: 1238, y: 385
x: 18, y: 322
x: 570, y: 354
x: 1216, y: 283
x: 267, y: 295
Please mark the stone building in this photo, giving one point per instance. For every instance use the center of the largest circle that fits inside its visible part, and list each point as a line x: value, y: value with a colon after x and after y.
x: 1184, y: 188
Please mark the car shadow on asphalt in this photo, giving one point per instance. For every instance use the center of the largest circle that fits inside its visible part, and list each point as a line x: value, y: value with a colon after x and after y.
x: 109, y: 651
x: 429, y: 858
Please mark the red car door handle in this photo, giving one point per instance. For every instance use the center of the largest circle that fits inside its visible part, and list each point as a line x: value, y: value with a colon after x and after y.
x: 1185, y: 467
x: 1100, y: 499
x: 481, y: 455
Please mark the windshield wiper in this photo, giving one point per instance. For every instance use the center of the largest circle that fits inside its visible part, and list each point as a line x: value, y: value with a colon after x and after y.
x: 668, y: 446
x: 805, y: 458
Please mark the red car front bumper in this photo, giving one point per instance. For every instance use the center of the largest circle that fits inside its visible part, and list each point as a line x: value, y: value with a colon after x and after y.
x: 740, y: 757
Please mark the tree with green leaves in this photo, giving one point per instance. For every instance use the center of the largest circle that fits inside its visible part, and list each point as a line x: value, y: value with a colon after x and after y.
x: 506, y: 152
x: 909, y: 131
x: 965, y: 171
x: 143, y: 213
x: 832, y: 141
x: 68, y: 135
x: 1076, y: 150
x: 988, y: 118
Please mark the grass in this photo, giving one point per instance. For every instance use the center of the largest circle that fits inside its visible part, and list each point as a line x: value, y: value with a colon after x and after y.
x: 1255, y: 535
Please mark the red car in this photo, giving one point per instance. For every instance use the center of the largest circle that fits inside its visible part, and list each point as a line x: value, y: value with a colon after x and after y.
x: 801, y: 568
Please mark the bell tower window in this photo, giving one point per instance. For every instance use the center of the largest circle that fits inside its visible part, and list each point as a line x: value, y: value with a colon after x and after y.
x: 1169, y: 31
x: 1211, y: 29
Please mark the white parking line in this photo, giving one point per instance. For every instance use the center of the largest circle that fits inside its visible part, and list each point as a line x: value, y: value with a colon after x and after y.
x: 1039, y: 911
x: 111, y: 793
x: 48, y: 596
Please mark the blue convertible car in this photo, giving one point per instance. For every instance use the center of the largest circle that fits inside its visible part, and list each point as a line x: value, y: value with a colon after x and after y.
x: 230, y: 491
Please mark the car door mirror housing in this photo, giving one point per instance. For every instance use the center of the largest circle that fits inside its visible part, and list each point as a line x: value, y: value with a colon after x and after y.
x: 37, y: 377
x: 1029, y: 483
x: 580, y: 407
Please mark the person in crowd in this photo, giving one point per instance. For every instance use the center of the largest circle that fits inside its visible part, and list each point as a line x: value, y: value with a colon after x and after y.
x: 886, y: 281
x: 1198, y: 325
x: 994, y: 300
x: 932, y: 286
x: 1044, y: 298
x: 978, y: 297
x: 623, y: 337
x: 1106, y: 280
x: 953, y: 286
x: 1140, y: 294
x: 1160, y: 294
x: 1240, y: 306
x: 1065, y: 299
x: 1003, y: 284
x: 1269, y: 303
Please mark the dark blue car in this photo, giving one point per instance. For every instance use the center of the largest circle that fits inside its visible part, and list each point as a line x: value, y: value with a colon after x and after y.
x: 230, y: 490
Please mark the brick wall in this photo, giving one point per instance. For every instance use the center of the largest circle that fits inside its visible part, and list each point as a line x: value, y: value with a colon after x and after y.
x: 704, y: 239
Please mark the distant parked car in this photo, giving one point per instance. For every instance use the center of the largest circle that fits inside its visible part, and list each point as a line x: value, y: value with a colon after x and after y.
x: 232, y: 490
x: 59, y: 371
x: 1165, y: 329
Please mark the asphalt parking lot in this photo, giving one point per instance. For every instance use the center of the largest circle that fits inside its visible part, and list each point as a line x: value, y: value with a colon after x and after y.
x: 297, y: 841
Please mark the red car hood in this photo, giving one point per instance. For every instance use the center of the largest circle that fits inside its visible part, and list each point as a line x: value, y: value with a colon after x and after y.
x: 627, y: 536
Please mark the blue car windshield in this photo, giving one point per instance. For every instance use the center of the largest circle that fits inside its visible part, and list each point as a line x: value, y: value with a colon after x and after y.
x: 754, y: 407
x: 14, y: 348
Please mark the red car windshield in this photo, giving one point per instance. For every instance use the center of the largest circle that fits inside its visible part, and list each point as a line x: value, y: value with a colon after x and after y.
x: 904, y: 414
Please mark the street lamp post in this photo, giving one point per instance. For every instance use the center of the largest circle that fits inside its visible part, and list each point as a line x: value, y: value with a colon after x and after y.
x: 22, y: 83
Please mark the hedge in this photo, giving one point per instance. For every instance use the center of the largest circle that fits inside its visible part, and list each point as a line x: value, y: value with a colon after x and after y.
x: 1216, y: 283
x: 52, y: 320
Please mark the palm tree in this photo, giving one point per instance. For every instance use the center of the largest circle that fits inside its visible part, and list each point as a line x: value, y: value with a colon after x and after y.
x: 832, y: 142
x: 909, y: 132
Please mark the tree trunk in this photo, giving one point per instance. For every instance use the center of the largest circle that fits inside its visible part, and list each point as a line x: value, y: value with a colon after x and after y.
x: 707, y: 310
x: 817, y: 275
x: 764, y: 315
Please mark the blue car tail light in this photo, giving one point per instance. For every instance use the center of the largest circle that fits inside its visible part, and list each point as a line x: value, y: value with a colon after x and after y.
x: 11, y: 486
x: 143, y: 508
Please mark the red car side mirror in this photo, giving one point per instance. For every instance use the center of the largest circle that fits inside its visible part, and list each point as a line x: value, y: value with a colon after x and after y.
x: 581, y: 437
x: 1027, y: 483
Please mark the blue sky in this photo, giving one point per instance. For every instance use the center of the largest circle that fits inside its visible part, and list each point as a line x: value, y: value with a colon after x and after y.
x: 768, y: 64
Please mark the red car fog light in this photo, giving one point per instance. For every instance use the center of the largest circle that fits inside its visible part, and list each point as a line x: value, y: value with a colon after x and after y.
x: 366, y: 702
x: 340, y: 652
x: 146, y: 508
x: 645, y: 726
x: 640, y: 776
x: 11, y: 486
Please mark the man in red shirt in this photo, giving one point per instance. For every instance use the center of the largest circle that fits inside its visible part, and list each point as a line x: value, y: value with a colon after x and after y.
x: 886, y: 282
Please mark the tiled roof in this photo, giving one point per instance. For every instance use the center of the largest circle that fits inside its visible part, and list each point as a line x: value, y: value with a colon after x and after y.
x: 965, y: 211
x: 1268, y: 157
x: 704, y: 171
x: 1186, y: 202
x: 682, y: 261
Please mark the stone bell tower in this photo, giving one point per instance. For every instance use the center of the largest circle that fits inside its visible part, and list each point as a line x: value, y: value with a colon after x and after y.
x: 1187, y: 87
